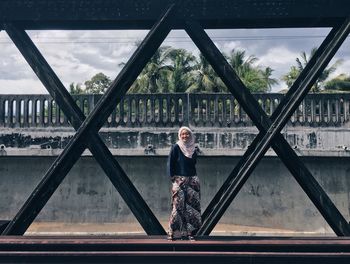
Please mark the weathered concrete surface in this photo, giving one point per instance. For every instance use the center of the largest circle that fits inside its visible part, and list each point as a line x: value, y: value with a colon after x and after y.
x: 271, y: 198
x: 307, y: 141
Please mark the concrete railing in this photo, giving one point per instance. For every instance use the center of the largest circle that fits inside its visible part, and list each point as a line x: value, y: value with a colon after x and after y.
x: 172, y: 110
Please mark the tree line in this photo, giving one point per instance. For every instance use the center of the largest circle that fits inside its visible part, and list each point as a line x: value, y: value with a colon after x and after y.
x: 173, y: 70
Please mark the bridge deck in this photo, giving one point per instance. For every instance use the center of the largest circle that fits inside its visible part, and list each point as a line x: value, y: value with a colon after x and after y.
x: 156, y: 249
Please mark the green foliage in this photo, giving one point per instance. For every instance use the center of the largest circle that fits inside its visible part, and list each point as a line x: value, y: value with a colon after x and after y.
x: 182, y: 65
x: 177, y: 70
x: 76, y: 88
x: 301, y: 62
x: 154, y: 76
x: 256, y: 78
x: 339, y: 83
x: 291, y: 76
x: 98, y: 84
x: 205, y: 78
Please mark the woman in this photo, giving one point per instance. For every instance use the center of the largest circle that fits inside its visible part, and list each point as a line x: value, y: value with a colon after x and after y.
x: 185, y: 218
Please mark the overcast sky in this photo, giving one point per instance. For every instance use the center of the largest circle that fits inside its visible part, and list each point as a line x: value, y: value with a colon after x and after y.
x: 76, y: 56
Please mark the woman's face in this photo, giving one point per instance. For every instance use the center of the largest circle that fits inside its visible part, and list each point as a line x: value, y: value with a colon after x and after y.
x: 185, y: 135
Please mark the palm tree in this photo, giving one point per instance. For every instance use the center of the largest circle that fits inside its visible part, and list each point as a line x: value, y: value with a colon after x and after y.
x: 205, y: 78
x: 182, y: 67
x: 269, y: 82
x: 294, y: 72
x: 241, y: 65
x: 154, y: 76
x: 255, y: 78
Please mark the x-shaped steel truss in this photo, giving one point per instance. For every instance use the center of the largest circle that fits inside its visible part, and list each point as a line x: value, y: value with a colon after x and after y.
x: 270, y: 128
x: 87, y: 129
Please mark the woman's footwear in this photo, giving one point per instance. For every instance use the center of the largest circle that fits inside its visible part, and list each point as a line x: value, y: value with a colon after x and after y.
x: 170, y: 238
x: 191, y: 238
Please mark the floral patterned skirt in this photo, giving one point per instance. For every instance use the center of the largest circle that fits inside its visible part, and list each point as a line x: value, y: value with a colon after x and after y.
x: 185, y: 218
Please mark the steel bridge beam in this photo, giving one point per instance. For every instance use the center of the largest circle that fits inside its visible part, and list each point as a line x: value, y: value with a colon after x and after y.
x: 136, y: 14
x: 88, y: 129
x: 270, y: 129
x: 76, y: 117
x: 243, y: 250
x: 18, y: 15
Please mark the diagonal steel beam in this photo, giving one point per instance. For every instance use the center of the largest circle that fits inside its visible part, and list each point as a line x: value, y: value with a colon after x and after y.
x: 250, y: 105
x: 76, y: 117
x: 288, y: 152
x: 58, y: 170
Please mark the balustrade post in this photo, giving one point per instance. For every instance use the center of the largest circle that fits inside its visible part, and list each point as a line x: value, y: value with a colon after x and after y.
x: 346, y: 109
x: 216, y: 111
x: 337, y: 110
x: 224, y: 112
x: 2, y: 111
x: 18, y: 112
x: 176, y: 111
x: 232, y: 110
x: 42, y: 112
x: 186, y: 110
x: 138, y: 111
x: 49, y: 111
x: 272, y: 106
x: 10, y: 112
x: 90, y: 103
x: 58, y: 114
x: 191, y: 110
x: 128, y: 99
x: 153, y: 112
x: 25, y: 112
x: 161, y: 119
x: 313, y: 110
x: 329, y: 116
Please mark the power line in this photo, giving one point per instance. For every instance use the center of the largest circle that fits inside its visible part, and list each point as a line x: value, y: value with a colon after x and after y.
x: 128, y: 40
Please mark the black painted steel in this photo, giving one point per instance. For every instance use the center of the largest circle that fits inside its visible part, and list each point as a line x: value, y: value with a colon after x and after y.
x: 3, y: 224
x: 101, y: 153
x: 137, y: 14
x: 328, y: 210
x: 90, y: 125
x: 158, y: 250
x: 293, y: 163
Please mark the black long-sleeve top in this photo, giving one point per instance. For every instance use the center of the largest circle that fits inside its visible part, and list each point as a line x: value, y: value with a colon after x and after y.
x: 180, y: 165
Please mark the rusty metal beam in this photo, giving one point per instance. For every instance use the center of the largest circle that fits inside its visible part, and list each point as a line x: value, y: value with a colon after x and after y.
x: 91, y: 125
x: 76, y: 117
x: 251, y: 106
x: 136, y: 14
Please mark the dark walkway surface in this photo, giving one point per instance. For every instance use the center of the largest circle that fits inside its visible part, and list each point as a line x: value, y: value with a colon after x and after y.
x: 49, y: 242
x: 144, y: 249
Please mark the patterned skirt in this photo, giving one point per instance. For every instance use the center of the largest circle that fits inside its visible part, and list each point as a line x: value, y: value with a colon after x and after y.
x: 185, y: 218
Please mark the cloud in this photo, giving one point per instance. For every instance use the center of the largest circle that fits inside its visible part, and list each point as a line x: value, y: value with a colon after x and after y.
x: 76, y: 56
x: 23, y: 86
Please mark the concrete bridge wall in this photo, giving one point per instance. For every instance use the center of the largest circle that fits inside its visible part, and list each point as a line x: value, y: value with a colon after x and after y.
x: 270, y: 198
x: 139, y: 133
x: 145, y: 124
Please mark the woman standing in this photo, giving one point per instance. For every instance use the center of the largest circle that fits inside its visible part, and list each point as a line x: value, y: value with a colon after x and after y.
x: 185, y: 218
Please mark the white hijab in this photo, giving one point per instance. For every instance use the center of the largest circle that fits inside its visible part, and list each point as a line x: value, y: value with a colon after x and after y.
x: 188, y: 147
